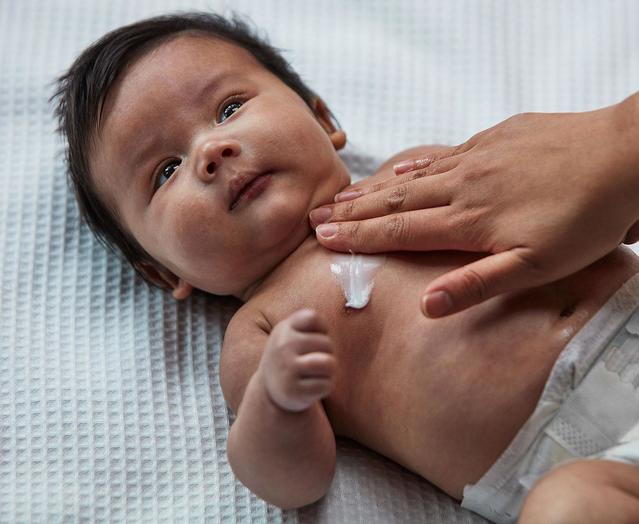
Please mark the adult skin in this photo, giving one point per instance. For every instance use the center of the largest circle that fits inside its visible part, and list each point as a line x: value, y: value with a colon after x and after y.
x: 546, y: 194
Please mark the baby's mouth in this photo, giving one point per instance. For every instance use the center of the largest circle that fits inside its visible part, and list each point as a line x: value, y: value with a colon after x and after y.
x: 246, y: 186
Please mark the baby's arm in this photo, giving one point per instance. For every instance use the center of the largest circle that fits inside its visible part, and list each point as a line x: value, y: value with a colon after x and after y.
x: 281, y: 445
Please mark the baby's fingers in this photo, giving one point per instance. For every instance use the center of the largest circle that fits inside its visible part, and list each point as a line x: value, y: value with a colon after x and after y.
x: 315, y: 388
x: 307, y: 320
x: 316, y: 365
x: 300, y: 394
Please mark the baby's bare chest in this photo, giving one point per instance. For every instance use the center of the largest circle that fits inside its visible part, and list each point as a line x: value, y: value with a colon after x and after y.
x: 406, y: 384
x: 380, y: 347
x: 391, y: 358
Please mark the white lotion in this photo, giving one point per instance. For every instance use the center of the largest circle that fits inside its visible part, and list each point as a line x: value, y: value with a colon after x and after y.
x: 355, y: 274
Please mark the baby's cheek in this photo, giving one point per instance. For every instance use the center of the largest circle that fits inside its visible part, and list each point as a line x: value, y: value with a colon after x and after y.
x: 193, y: 227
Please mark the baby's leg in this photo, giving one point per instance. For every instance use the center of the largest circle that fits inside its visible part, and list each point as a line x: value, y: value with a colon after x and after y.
x: 585, y: 491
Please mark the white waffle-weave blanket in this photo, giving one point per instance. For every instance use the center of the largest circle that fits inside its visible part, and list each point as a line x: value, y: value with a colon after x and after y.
x: 110, y: 404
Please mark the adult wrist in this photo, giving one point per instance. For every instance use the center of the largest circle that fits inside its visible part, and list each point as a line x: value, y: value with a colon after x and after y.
x: 616, y: 154
x: 626, y: 122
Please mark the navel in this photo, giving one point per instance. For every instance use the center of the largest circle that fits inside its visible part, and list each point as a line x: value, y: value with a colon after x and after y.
x: 568, y: 311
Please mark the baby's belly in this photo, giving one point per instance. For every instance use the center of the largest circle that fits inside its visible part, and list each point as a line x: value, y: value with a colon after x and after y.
x: 445, y: 397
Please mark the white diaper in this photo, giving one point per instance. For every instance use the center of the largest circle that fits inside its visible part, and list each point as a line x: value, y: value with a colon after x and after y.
x: 589, y: 409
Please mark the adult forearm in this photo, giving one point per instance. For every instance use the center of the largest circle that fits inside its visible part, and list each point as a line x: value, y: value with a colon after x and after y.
x: 286, y: 458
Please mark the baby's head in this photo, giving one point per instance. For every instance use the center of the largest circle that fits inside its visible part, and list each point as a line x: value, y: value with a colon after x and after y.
x: 197, y: 151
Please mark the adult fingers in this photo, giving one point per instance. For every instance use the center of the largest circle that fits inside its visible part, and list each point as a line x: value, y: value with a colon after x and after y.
x: 417, y: 230
x: 480, y: 280
x: 436, y: 168
x: 425, y: 161
x: 418, y: 194
x: 354, y: 186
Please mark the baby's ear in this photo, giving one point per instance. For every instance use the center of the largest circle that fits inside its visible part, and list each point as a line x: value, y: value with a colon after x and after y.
x: 329, y: 123
x: 165, y: 279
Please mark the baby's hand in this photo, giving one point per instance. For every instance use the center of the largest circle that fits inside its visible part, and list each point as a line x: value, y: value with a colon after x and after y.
x: 298, y: 364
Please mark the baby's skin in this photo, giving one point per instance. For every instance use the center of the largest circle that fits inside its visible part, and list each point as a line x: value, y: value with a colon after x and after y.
x: 183, y: 130
x: 442, y: 397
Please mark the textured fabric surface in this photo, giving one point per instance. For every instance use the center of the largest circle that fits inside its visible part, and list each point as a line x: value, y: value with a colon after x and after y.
x: 110, y: 404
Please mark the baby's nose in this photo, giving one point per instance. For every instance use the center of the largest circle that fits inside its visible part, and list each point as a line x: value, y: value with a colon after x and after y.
x: 211, y: 155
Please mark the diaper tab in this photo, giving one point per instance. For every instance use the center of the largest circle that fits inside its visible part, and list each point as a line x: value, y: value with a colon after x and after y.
x: 598, y: 413
x: 605, y: 405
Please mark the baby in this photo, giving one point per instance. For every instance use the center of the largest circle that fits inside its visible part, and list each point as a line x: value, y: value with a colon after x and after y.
x: 198, y: 153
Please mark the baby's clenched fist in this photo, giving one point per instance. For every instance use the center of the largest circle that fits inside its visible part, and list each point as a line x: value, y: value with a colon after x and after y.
x: 298, y: 364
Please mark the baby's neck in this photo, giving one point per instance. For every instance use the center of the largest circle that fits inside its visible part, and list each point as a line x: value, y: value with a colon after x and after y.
x: 275, y: 274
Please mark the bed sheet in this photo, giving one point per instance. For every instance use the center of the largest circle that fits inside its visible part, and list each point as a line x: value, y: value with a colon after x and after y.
x: 110, y: 403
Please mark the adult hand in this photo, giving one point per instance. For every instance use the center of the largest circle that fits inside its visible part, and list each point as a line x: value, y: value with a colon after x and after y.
x: 544, y: 194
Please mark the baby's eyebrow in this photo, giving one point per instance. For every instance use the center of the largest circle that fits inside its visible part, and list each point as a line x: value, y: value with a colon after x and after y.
x: 140, y: 170
x: 143, y: 152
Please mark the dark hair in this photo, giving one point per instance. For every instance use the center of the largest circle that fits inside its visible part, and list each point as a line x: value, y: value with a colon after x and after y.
x: 82, y: 90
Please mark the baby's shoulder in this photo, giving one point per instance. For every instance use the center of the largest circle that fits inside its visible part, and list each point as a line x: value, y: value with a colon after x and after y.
x: 248, y: 318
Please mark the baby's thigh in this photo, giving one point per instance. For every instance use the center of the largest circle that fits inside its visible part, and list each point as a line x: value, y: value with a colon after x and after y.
x: 585, y: 491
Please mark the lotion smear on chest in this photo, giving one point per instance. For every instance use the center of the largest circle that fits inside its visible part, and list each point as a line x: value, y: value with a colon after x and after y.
x: 355, y: 274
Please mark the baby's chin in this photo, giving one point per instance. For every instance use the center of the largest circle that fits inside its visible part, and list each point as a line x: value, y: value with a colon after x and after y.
x: 285, y: 235
x: 257, y: 270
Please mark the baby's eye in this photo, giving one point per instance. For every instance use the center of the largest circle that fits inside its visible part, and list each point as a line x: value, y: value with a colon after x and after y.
x: 228, y: 109
x: 167, y: 171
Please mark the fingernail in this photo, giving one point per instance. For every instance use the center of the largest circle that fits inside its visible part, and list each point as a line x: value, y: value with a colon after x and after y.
x: 326, y: 230
x: 404, y: 166
x: 421, y: 163
x: 436, y: 304
x: 346, y: 195
x: 321, y: 214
